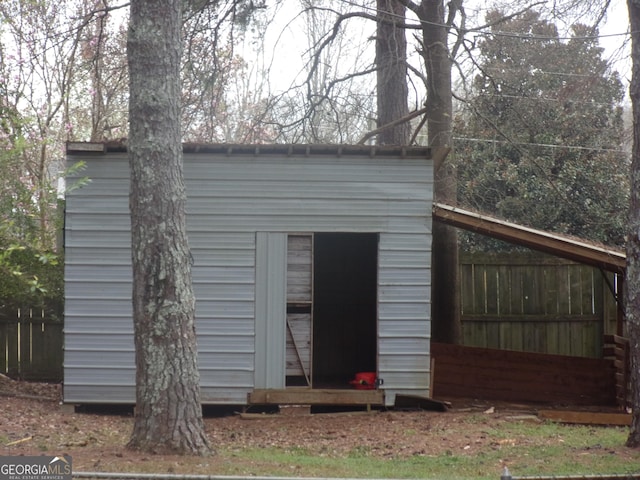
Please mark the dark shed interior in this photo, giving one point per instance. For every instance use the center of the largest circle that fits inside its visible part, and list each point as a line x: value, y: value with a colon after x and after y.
x: 345, y: 312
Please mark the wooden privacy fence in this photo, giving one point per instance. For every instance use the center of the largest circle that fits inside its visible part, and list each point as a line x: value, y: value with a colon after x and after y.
x: 31, y: 340
x: 535, y: 303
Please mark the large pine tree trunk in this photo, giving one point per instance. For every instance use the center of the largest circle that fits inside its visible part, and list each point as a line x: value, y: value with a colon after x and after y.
x: 632, y: 283
x: 445, y: 287
x: 391, y: 62
x: 168, y: 415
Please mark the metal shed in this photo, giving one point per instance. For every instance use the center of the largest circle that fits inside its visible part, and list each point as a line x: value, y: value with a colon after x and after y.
x: 311, y: 264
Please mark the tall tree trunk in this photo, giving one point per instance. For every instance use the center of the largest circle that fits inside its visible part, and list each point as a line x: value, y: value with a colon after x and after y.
x: 445, y: 287
x: 168, y: 415
x: 98, y: 60
x: 391, y: 62
x: 632, y: 283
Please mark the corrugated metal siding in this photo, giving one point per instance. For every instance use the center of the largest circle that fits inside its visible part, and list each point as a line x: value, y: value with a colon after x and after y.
x: 230, y: 198
x: 404, y: 302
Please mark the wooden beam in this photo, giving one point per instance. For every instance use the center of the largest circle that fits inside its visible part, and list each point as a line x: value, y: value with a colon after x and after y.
x: 463, y: 371
x: 609, y: 259
x: 308, y: 396
x: 439, y: 156
x: 85, y: 147
x: 586, y: 418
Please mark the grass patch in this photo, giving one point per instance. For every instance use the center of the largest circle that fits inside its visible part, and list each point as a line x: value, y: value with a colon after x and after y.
x: 528, y: 449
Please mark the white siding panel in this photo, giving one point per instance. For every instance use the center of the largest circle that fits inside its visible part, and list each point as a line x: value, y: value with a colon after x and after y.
x: 227, y: 274
x: 404, y: 313
x: 260, y: 207
x: 345, y: 222
x: 114, y: 358
x: 103, y: 187
x: 258, y: 189
x: 226, y: 292
x: 221, y: 361
x: 98, y: 239
x: 411, y: 327
x: 223, y: 241
x: 223, y: 326
x: 226, y: 344
x: 99, y: 324
x: 77, y: 391
x: 99, y: 360
x: 90, y: 342
x: 88, y: 307
x: 89, y: 273
x: 106, y: 223
x: 223, y: 308
x: 103, y: 375
x: 111, y: 288
x: 221, y: 258
x: 416, y: 310
x: 405, y: 259
x: 103, y: 205
x: 404, y: 292
x: 404, y: 345
x: 399, y: 364
x: 409, y: 275
x: 109, y: 256
x: 245, y: 168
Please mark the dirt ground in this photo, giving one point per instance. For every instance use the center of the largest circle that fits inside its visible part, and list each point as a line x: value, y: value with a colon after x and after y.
x: 33, y: 421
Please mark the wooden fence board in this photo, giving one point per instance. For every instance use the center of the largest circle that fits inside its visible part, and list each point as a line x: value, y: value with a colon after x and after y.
x: 466, y: 287
x: 478, y: 289
x: 563, y: 298
x: 493, y: 335
x: 521, y: 376
x: 553, y: 339
x: 515, y: 303
x: 587, y: 418
x: 32, y: 343
x: 491, y: 282
x: 550, y: 290
x: 617, y: 350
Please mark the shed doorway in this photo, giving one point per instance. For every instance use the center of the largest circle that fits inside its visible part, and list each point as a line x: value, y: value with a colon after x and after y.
x: 344, y: 308
x: 342, y: 311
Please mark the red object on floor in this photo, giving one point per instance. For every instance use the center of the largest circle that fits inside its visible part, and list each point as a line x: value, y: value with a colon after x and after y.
x: 364, y: 381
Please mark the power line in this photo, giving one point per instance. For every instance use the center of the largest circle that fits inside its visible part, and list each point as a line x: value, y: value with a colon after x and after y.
x: 520, y: 36
x: 545, y: 99
x: 544, y: 72
x: 486, y: 31
x: 543, y: 145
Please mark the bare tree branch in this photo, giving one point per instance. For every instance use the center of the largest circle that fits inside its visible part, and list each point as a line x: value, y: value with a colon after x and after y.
x: 407, y: 118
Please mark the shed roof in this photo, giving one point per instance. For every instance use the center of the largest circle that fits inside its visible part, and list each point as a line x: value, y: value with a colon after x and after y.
x: 606, y: 258
x: 268, y: 149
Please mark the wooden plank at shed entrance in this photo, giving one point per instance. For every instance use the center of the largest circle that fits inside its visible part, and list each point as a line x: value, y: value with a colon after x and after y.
x: 295, y: 396
x: 586, y: 418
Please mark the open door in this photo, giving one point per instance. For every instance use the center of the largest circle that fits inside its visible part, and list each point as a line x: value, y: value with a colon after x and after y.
x: 299, y: 310
x: 331, y: 321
